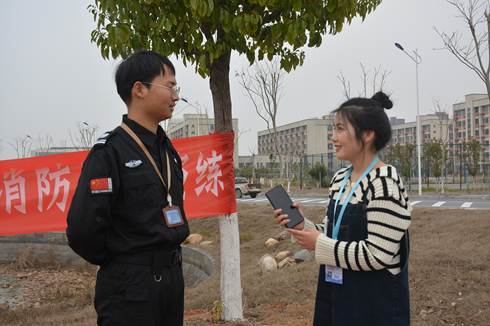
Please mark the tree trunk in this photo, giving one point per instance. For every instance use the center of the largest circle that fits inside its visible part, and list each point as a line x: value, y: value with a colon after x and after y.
x: 276, y: 147
x: 443, y: 165
x: 219, y: 83
x: 231, y: 288
x: 487, y: 77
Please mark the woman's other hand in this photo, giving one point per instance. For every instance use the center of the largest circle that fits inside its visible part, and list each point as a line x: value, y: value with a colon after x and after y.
x: 306, y: 238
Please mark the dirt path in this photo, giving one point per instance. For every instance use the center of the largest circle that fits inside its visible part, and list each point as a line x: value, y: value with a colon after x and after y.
x: 449, y: 277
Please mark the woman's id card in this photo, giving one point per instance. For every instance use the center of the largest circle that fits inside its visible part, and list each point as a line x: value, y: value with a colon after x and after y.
x: 333, y: 274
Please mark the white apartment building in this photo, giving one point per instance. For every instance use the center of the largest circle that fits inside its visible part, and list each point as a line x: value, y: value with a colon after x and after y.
x: 471, y: 121
x: 434, y: 126
x: 191, y: 125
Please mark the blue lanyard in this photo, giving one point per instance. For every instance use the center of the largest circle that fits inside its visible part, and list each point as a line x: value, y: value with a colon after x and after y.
x: 338, y: 221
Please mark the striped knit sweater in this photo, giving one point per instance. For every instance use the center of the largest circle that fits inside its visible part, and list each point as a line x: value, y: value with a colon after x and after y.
x: 388, y: 217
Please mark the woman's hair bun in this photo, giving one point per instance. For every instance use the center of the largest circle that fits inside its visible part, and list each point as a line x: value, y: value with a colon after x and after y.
x: 383, y: 100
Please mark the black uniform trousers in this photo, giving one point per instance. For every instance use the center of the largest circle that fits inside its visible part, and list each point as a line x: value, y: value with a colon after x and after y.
x: 135, y: 293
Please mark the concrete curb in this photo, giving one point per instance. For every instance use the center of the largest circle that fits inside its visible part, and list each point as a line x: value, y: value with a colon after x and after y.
x: 52, y: 249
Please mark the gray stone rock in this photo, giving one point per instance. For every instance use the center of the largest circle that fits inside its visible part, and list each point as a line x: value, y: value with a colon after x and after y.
x: 267, y: 264
x: 303, y: 255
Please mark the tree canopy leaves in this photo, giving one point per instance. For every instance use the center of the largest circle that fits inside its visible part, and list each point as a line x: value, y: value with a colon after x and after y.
x: 200, y: 31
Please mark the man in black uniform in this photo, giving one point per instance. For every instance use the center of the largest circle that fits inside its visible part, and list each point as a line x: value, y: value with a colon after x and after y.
x: 127, y: 214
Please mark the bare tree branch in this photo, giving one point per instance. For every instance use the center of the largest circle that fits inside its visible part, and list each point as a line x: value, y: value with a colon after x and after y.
x: 364, y: 78
x: 85, y: 137
x: 22, y: 146
x: 443, y: 121
x: 263, y: 85
x: 384, y: 77
x: 474, y: 51
x: 378, y: 74
x: 44, y: 142
x: 345, y: 84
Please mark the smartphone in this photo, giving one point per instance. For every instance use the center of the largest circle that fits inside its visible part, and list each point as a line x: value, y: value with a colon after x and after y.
x: 279, y: 198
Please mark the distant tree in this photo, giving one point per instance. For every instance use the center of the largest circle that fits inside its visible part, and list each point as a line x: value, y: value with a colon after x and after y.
x: 22, y: 146
x: 319, y: 172
x: 85, y: 136
x: 246, y: 172
x: 44, y: 142
x: 374, y: 81
x: 443, y: 125
x: 434, y: 155
x: 392, y: 154
x: 401, y: 156
x: 471, y: 152
x: 262, y: 84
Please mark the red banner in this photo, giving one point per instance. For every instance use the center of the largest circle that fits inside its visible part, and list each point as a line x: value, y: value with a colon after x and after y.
x: 35, y: 193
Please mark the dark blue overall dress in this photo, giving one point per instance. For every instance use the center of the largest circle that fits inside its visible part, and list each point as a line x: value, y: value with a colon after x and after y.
x: 376, y: 298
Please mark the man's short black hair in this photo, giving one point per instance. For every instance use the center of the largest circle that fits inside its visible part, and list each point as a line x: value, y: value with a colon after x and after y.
x: 142, y: 66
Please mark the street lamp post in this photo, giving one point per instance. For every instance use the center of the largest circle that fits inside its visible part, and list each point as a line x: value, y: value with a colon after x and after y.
x: 417, y: 59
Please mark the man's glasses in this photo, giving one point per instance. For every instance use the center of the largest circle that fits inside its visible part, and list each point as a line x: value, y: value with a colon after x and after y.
x: 175, y: 89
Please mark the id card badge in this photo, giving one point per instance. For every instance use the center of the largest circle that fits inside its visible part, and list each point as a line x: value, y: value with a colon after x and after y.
x: 333, y: 274
x: 172, y: 216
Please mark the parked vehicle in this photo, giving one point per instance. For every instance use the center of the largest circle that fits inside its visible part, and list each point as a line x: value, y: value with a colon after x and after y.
x: 243, y: 187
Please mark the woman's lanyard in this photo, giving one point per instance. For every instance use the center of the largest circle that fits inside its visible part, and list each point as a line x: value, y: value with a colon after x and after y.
x: 337, y: 221
x: 152, y: 161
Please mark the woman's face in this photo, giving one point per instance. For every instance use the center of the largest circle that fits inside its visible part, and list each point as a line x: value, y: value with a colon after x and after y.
x: 347, y: 146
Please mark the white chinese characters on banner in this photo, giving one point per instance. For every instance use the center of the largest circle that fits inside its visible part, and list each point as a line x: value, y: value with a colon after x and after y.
x: 51, y: 185
x: 209, y: 172
x: 15, y: 191
x: 60, y: 189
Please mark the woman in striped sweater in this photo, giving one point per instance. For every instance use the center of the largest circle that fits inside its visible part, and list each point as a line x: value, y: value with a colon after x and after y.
x: 362, y: 246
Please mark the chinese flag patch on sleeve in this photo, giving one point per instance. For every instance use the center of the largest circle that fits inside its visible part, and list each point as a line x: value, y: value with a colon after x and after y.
x: 101, y: 186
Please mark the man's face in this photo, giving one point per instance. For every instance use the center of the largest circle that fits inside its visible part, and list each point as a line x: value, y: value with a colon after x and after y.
x: 161, y: 97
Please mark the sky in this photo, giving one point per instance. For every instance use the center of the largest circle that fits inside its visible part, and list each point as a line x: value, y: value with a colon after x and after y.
x: 53, y: 78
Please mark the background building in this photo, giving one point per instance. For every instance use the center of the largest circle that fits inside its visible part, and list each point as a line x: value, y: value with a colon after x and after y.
x: 295, y: 139
x: 306, y: 142
x: 191, y: 125
x: 471, y: 121
x: 257, y: 161
x: 57, y: 150
x: 434, y: 126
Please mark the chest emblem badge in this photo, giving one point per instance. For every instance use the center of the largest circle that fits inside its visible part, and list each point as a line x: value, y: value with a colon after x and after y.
x: 133, y: 164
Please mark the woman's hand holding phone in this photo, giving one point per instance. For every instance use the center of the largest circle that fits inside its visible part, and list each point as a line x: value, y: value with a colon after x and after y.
x: 282, y: 219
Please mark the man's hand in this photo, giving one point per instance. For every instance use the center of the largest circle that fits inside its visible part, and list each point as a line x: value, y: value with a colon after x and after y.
x: 305, y: 238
